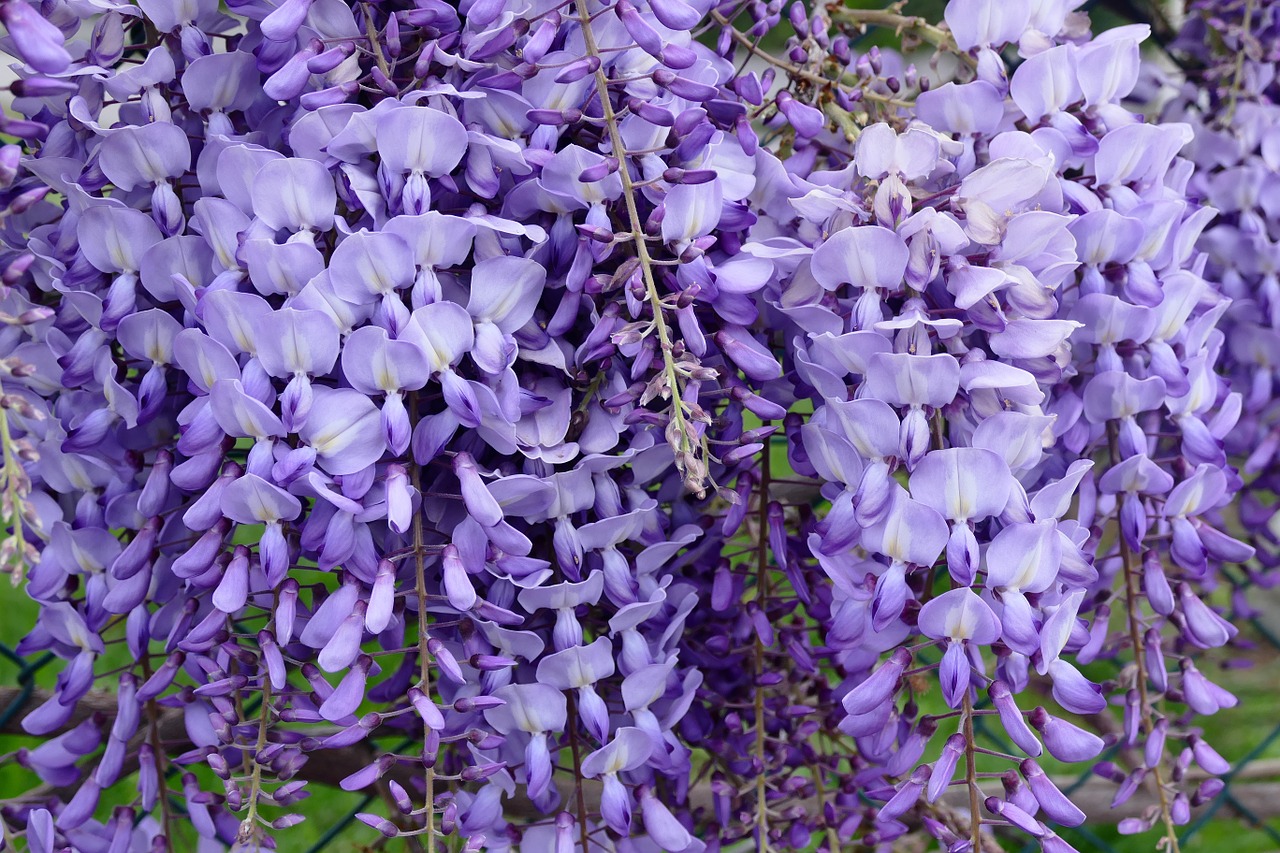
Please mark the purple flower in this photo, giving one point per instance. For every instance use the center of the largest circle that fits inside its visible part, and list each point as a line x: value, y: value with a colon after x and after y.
x: 564, y: 398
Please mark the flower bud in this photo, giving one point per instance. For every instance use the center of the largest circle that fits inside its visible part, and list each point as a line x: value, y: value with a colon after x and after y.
x: 1055, y: 804
x: 880, y: 686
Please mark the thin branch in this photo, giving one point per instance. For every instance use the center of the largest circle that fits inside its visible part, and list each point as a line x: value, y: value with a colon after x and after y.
x: 688, y: 462
x: 159, y: 756
x: 971, y: 773
x: 15, y: 549
x: 371, y: 31
x: 762, y: 596
x: 1237, y: 79
x: 249, y: 831
x: 796, y: 71
x: 424, y: 663
x: 1131, y: 596
x: 580, y: 796
x: 899, y: 23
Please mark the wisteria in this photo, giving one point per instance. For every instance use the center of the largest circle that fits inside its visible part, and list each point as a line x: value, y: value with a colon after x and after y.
x: 1228, y: 93
x: 590, y: 426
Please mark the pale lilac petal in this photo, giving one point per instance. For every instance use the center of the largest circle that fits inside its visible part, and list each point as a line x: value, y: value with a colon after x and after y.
x: 345, y: 429
x: 870, y: 256
x: 421, y: 139
x: 959, y: 615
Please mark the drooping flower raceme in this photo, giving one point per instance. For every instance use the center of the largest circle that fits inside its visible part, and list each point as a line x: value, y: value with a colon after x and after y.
x: 539, y: 417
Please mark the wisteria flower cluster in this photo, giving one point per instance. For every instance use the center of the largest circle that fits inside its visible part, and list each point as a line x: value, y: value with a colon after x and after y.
x: 1229, y: 93
x: 585, y: 429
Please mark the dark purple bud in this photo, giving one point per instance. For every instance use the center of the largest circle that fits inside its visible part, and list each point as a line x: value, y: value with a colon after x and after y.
x: 491, y: 663
x: 944, y: 769
x: 1015, y: 815
x: 689, y: 176
x: 575, y: 71
x: 1012, y: 720
x: 155, y: 490
x: 27, y: 200
x: 1153, y: 751
x: 1155, y: 584
x: 675, y: 14
x: 391, y: 37
x: 599, y: 171
x: 383, y: 82
x: 1208, y: 757
x: 445, y: 660
x: 807, y: 121
x: 1056, y: 805
x: 292, y: 78
x: 746, y: 135
x: 329, y: 97
x: 1128, y: 787
x: 138, y: 552
x: 652, y: 113
x: 554, y: 118
x: 386, y: 827
x: 799, y: 18
x: 645, y: 36
x: 37, y: 41
x: 422, y: 67
x: 480, y: 772
x: 468, y: 704
x: 747, y: 86
x: 1202, y: 626
x: 18, y: 267
x: 326, y: 61
x: 684, y: 87
x: 285, y: 20
x: 1108, y: 770
x: 366, y: 776
x: 677, y: 57
x: 402, y: 799
x: 1065, y: 741
x: 764, y: 409
x: 22, y: 128
x: 748, y: 354
x: 741, y: 452
x: 42, y: 87
x: 1209, y: 789
x: 880, y: 686
x: 1180, y: 809
x: 907, y: 795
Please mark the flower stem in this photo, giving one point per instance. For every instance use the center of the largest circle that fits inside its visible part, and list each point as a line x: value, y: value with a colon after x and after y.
x: 13, y: 478
x: 575, y: 748
x: 688, y: 463
x: 798, y: 73
x: 248, y: 827
x: 899, y: 23
x: 371, y: 31
x: 1132, y: 598
x: 1237, y: 79
x: 424, y: 664
x: 762, y: 594
x: 158, y: 753
x: 971, y: 773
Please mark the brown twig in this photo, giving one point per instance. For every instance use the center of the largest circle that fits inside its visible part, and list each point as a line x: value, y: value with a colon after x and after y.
x: 1132, y: 596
